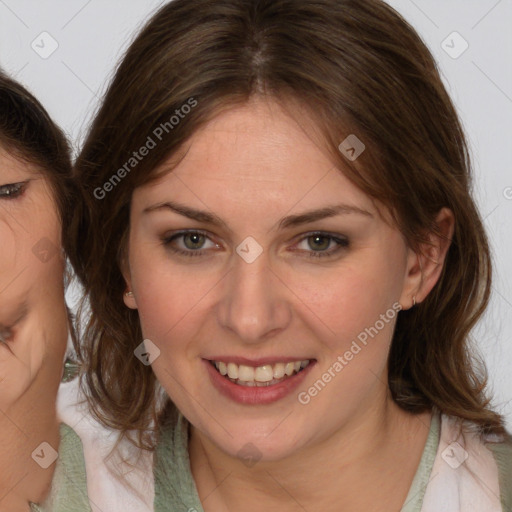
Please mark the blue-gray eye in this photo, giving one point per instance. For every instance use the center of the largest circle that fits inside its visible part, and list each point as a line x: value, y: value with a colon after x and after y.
x: 12, y: 190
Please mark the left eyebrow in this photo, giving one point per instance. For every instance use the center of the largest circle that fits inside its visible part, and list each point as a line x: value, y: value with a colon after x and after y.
x: 286, y: 222
x: 322, y: 213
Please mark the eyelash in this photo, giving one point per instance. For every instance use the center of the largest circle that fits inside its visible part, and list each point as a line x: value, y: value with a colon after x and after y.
x: 341, y: 244
x: 12, y: 190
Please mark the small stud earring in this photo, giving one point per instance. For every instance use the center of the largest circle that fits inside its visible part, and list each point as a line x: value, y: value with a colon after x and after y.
x: 129, y: 294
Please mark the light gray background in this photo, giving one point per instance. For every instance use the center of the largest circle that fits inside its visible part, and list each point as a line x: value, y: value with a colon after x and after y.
x: 92, y: 34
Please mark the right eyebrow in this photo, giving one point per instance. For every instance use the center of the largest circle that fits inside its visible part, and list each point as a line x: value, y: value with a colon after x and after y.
x: 186, y: 211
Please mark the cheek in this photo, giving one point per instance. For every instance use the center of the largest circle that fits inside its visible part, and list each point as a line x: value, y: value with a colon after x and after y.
x: 361, y: 310
x: 341, y: 303
x: 31, y: 257
x: 170, y: 298
x: 14, y: 377
x: 10, y: 249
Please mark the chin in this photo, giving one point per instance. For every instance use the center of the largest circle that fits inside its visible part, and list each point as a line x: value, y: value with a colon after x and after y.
x: 257, y: 440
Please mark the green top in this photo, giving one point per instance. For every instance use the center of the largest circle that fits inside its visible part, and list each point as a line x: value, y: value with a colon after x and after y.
x: 414, y: 499
x: 175, y: 488
x: 69, y: 485
x: 503, y: 455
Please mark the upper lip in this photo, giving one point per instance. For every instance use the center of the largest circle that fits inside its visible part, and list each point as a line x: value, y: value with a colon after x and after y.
x: 260, y: 361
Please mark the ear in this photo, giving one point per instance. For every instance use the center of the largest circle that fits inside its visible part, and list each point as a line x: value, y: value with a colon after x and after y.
x: 424, y: 267
x: 128, y: 295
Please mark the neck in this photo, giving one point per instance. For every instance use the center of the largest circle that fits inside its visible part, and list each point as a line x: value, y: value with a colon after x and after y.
x: 30, y: 421
x: 382, y: 445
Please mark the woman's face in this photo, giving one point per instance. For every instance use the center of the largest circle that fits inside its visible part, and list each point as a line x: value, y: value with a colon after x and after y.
x: 261, y: 283
x: 32, y: 314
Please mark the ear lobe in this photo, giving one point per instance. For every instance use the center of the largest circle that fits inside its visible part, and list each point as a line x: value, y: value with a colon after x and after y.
x: 128, y: 297
x: 425, y: 267
x: 129, y: 300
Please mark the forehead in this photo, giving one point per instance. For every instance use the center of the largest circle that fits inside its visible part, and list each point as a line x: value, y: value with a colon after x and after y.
x: 256, y: 140
x: 253, y: 151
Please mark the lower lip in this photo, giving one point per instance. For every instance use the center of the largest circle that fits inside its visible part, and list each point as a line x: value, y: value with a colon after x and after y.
x: 255, y: 395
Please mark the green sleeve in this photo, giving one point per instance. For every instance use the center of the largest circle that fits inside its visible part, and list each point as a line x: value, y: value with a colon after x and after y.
x: 69, y: 486
x: 503, y: 455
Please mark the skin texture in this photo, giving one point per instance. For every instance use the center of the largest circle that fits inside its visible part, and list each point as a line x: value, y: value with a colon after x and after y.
x: 33, y: 324
x: 251, y: 166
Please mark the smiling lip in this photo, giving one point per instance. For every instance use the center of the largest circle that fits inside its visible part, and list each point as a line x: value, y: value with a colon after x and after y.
x: 256, y: 362
x: 255, y: 395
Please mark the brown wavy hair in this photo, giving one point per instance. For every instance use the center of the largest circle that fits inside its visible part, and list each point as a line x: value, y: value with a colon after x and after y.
x: 28, y: 133
x: 357, y: 67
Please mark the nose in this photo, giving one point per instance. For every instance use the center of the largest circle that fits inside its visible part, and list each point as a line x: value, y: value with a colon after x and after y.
x: 254, y: 304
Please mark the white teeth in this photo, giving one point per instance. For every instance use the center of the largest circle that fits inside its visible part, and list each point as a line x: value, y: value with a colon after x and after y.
x: 223, y: 369
x: 278, y: 371
x: 246, y: 373
x: 265, y: 375
x: 289, y: 368
x: 232, y: 371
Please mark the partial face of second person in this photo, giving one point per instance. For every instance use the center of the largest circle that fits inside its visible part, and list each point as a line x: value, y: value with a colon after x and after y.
x: 210, y: 296
x: 33, y: 322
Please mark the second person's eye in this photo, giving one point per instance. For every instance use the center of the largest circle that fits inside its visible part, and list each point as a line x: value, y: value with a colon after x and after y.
x: 12, y: 190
